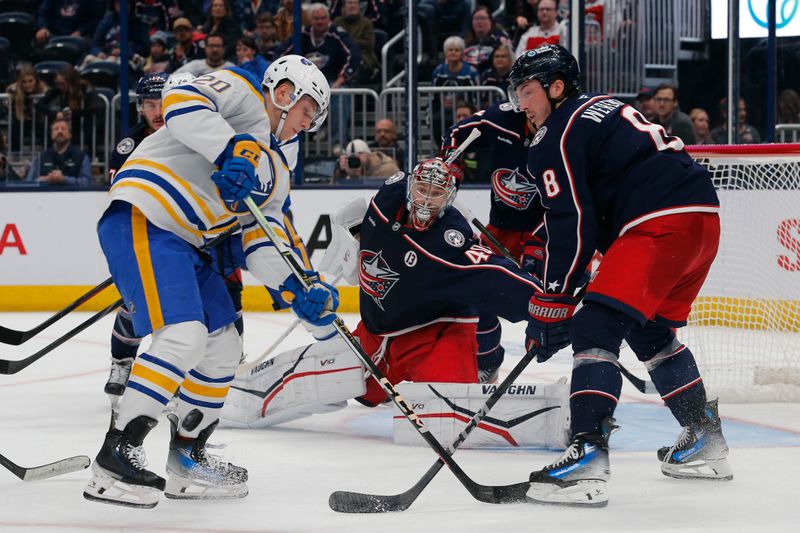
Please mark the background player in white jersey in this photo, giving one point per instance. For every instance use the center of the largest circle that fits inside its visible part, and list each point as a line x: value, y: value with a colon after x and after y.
x: 184, y: 183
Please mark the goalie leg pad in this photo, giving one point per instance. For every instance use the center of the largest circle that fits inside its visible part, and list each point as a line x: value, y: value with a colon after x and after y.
x: 526, y: 415
x: 317, y: 378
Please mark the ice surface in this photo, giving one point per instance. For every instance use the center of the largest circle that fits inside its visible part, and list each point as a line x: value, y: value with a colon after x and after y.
x: 56, y: 408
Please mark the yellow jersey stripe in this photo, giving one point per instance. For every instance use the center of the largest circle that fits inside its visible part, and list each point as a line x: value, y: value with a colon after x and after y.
x: 160, y: 199
x: 204, y: 390
x: 253, y: 90
x: 258, y: 233
x: 297, y: 242
x: 177, y: 98
x: 154, y: 377
x: 141, y: 248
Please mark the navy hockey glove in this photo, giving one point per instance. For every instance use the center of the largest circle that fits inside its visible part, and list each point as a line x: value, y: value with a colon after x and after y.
x: 236, y: 177
x: 318, y: 304
x: 548, y: 325
x: 532, y: 258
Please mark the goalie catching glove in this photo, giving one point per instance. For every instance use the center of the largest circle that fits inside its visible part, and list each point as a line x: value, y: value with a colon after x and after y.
x: 548, y: 324
x: 318, y: 304
x: 236, y: 176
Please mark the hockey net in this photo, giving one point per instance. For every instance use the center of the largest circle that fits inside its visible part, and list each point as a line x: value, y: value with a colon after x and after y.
x: 745, y: 326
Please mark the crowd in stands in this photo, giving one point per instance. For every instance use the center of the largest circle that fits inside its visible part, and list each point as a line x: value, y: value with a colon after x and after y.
x: 465, y: 44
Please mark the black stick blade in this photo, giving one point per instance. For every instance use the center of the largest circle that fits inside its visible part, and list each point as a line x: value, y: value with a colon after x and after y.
x: 343, y: 501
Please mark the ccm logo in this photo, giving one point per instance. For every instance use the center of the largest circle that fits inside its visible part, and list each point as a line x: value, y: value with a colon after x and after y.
x: 249, y: 154
x: 547, y: 312
x: 323, y: 362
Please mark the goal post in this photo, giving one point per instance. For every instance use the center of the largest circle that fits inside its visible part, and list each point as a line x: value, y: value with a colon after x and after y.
x: 745, y: 325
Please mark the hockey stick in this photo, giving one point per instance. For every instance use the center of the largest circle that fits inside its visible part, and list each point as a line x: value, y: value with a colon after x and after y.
x: 482, y: 493
x: 357, y: 502
x: 36, y: 473
x: 247, y: 366
x: 10, y: 366
x: 641, y: 385
x: 16, y: 337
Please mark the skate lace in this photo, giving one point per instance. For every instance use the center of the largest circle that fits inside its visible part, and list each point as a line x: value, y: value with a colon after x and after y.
x: 119, y: 372
x: 685, y: 438
x: 570, y: 454
x: 136, y: 455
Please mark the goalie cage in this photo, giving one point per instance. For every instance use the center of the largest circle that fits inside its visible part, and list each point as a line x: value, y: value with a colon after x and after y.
x: 745, y: 325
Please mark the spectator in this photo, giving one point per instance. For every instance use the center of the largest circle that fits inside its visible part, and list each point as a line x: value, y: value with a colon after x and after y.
x: 788, y: 107
x: 249, y: 59
x: 221, y: 21
x: 675, y: 122
x: 266, y: 36
x: 337, y: 56
x: 155, y: 14
x: 78, y: 18
x: 482, y: 39
x: 62, y: 163
x: 187, y: 47
x: 73, y: 99
x: 472, y: 157
x: 386, y: 141
x: 358, y: 161
x: 435, y: 16
x: 452, y: 73
x: 747, y: 133
x: 248, y: 11
x: 373, y: 10
x: 214, y: 60
x: 159, y: 55
x: 497, y: 75
x: 25, y: 124
x: 193, y: 11
x: 645, y: 104
x: 520, y: 15
x: 548, y: 31
x: 105, y: 45
x: 284, y: 20
x: 361, y: 31
x: 6, y: 171
x: 464, y: 110
x: 702, y: 133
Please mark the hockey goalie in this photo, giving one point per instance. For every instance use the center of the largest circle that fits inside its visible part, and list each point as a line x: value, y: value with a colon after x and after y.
x: 424, y: 279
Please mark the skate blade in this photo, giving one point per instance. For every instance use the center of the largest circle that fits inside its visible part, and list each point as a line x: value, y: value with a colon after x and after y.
x: 104, y: 488
x: 708, y: 469
x: 589, y: 493
x: 181, y: 488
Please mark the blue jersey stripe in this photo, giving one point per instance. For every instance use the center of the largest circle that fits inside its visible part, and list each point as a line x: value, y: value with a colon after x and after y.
x: 170, y: 189
x: 148, y: 392
x: 201, y: 377
x: 184, y: 110
x: 198, y: 91
x: 160, y: 362
x: 198, y: 403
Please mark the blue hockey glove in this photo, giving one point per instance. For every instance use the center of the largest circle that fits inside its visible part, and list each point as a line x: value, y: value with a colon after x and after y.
x: 236, y: 177
x: 315, y: 306
x: 548, y: 325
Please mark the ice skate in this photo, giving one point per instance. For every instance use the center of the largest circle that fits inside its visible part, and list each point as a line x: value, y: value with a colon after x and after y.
x: 196, y: 475
x: 488, y: 375
x: 118, y: 378
x: 120, y: 477
x: 579, y: 477
x: 700, y: 451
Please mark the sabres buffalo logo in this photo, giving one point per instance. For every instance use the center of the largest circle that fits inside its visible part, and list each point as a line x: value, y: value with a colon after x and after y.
x: 374, y: 276
x: 513, y: 188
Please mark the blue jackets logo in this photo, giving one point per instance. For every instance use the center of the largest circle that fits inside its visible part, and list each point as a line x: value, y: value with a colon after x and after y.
x: 374, y: 276
x: 513, y: 189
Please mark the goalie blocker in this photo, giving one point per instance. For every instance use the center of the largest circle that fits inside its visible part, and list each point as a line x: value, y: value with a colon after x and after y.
x: 321, y: 377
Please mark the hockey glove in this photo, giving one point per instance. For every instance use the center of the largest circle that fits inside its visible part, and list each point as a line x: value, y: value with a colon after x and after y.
x: 532, y: 258
x: 548, y: 325
x: 236, y: 176
x: 318, y: 304
x: 457, y: 166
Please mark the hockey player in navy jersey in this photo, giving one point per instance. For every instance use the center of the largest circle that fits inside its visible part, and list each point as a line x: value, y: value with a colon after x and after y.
x: 185, y: 184
x: 515, y: 214
x: 612, y: 181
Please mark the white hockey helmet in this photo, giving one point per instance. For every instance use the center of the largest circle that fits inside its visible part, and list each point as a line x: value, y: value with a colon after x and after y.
x: 177, y: 79
x: 307, y: 80
x: 430, y: 190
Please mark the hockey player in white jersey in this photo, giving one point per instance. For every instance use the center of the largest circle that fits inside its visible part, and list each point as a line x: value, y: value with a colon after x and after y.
x: 184, y: 184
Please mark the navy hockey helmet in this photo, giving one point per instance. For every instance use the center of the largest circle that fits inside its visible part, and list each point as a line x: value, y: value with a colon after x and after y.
x: 543, y: 64
x: 150, y: 87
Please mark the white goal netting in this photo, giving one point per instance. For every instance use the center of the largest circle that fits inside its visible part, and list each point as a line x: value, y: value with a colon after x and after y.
x: 745, y: 326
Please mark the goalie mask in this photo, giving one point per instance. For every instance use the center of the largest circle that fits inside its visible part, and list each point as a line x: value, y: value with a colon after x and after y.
x: 307, y: 79
x: 431, y: 190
